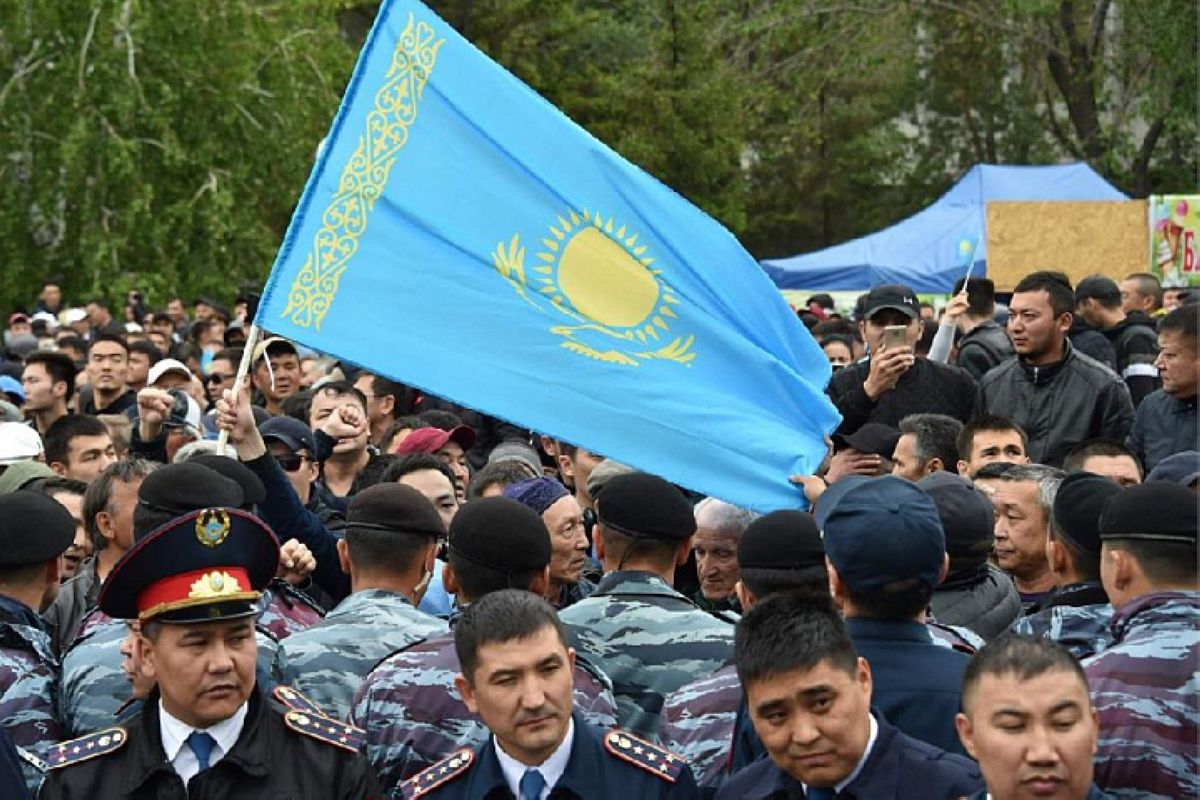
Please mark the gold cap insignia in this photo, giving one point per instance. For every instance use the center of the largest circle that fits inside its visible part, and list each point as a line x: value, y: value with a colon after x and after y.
x: 212, y: 527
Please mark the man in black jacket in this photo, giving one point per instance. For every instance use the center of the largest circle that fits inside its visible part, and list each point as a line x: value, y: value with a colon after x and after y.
x: 1098, y: 301
x: 982, y: 343
x: 894, y: 382
x: 1057, y: 395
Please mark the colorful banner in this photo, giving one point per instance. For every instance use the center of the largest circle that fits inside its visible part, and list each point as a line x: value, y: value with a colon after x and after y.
x: 1174, y: 221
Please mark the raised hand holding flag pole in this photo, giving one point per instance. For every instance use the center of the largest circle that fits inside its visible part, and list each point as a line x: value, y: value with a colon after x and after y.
x: 461, y: 235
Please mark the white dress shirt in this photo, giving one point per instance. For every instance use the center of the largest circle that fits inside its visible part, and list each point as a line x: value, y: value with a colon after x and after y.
x: 174, y: 740
x: 552, y: 768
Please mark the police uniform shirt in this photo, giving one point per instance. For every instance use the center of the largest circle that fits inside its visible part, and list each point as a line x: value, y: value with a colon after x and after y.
x: 174, y: 734
x: 552, y: 768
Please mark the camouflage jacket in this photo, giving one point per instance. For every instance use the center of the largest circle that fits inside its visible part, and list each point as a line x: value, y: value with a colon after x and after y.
x: 28, y: 677
x: 287, y: 610
x: 95, y: 693
x: 650, y: 640
x: 698, y: 721
x: 1146, y: 687
x: 414, y: 717
x: 328, y: 662
x: 1077, y: 616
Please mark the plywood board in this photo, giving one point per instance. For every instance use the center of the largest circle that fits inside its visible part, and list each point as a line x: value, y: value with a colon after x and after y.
x: 1078, y: 238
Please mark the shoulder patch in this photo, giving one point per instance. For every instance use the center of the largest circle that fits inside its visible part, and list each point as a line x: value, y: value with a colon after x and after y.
x: 640, y: 753
x: 75, y: 751
x: 441, y: 773
x: 295, y: 701
x: 324, y: 729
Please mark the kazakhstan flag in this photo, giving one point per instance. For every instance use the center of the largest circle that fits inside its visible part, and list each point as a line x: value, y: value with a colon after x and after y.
x: 460, y: 234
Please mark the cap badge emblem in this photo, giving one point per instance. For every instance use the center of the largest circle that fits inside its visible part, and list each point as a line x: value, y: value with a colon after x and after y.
x: 212, y: 527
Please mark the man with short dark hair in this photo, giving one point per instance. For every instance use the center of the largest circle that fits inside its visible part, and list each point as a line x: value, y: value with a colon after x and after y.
x: 810, y: 696
x: 1144, y: 684
x: 1057, y: 395
x: 100, y: 318
x: 386, y: 401
x: 645, y: 635
x: 275, y: 371
x: 894, y: 383
x: 1028, y: 720
x: 142, y: 356
x: 79, y: 446
x: 108, y: 371
x: 391, y: 537
x: 351, y: 453
x: 1106, y: 457
x: 516, y: 674
x: 1142, y: 297
x: 1166, y: 420
x: 987, y: 439
x: 887, y: 552
x: 1098, y: 301
x: 982, y: 344
x: 927, y: 444
x: 409, y: 706
x: 1077, y: 614
x: 49, y: 382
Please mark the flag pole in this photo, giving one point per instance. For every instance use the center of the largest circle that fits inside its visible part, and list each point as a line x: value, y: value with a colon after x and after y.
x: 242, y: 372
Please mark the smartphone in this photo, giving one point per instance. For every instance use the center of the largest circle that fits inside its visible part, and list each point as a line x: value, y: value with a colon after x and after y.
x: 895, y: 336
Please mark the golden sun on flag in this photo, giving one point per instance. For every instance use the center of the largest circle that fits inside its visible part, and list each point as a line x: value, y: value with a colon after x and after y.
x: 594, y: 271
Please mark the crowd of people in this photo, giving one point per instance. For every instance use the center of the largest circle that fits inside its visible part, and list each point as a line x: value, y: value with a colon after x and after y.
x: 369, y: 591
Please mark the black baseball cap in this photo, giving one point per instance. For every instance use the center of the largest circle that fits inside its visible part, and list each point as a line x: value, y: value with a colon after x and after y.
x: 894, y: 296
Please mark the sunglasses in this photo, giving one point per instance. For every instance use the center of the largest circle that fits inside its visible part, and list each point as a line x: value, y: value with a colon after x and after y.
x: 290, y: 462
x: 218, y: 378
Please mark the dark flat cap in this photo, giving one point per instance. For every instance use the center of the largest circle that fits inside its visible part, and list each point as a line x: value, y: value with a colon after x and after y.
x: 645, y: 506
x: 874, y: 438
x: 33, y: 529
x: 253, y: 491
x: 501, y: 534
x: 1077, y: 505
x: 1163, y: 512
x: 781, y: 540
x: 179, y: 488
x: 208, y: 564
x: 968, y: 519
x: 394, y: 507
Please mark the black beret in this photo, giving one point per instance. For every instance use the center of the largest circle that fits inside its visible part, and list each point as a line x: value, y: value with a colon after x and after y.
x: 645, y: 506
x: 33, y: 529
x: 968, y: 519
x: 781, y: 540
x: 1164, y: 512
x: 253, y: 491
x: 180, y: 488
x: 208, y: 564
x: 1077, y: 505
x: 501, y: 534
x: 394, y: 507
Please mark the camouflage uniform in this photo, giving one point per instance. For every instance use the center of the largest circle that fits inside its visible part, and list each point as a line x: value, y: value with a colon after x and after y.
x: 1146, y: 686
x: 955, y: 637
x: 287, y: 610
x: 698, y: 722
x: 96, y: 694
x: 328, y: 662
x: 650, y: 640
x: 1076, y: 616
x: 414, y: 717
x: 28, y: 682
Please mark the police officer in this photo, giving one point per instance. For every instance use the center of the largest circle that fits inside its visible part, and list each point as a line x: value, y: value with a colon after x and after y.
x: 389, y: 548
x: 1144, y: 684
x: 206, y: 731
x: 1077, y: 614
x: 706, y: 720
x: 809, y: 696
x: 516, y: 674
x: 647, y: 637
x: 408, y: 705
x: 1028, y: 720
x: 34, y: 531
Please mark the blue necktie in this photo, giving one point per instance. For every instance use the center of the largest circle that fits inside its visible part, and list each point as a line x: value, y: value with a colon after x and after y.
x: 202, y: 745
x: 817, y: 793
x: 532, y: 784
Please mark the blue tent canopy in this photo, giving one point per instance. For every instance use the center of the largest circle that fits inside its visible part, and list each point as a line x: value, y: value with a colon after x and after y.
x: 926, y: 251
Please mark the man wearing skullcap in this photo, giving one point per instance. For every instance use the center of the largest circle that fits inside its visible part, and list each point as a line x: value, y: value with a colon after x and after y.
x: 391, y: 539
x: 1077, y: 614
x: 706, y: 719
x: 409, y: 706
x: 563, y: 516
x: 207, y: 729
x: 647, y: 637
x: 28, y: 584
x: 1144, y: 684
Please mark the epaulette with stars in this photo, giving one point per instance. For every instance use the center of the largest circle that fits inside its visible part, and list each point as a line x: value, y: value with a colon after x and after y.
x: 640, y: 753
x: 305, y: 717
x: 75, y: 751
x: 439, y: 774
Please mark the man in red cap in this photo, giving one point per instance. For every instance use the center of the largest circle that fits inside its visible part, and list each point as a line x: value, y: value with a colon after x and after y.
x: 450, y: 446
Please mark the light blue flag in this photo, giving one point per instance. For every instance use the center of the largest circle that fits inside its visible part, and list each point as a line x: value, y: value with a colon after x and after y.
x: 461, y: 235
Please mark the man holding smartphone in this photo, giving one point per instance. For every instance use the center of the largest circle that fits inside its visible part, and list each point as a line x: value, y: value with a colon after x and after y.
x: 893, y: 382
